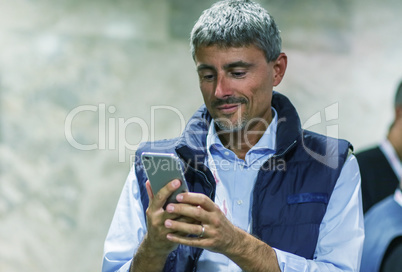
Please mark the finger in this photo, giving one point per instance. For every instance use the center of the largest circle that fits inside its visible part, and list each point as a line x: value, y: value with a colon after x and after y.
x: 149, y: 190
x: 197, y: 213
x: 188, y: 240
x: 197, y: 199
x: 163, y: 194
x: 185, y: 219
x: 183, y: 227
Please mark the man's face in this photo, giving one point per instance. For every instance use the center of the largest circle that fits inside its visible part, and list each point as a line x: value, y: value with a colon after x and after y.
x: 236, y: 84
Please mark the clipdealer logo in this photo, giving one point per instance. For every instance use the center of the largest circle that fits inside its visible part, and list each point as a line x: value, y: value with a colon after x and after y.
x: 331, y: 113
x: 112, y: 130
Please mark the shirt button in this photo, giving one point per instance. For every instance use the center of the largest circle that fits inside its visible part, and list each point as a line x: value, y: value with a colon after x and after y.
x: 227, y: 153
x: 239, y: 202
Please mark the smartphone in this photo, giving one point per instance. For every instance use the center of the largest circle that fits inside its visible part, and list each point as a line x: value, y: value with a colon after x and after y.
x: 161, y: 168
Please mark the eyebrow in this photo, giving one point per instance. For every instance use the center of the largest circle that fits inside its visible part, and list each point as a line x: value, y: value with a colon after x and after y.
x: 239, y: 63
x: 205, y: 67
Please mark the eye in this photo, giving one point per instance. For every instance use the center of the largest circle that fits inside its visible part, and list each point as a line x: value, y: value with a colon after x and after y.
x: 238, y: 73
x: 207, y: 76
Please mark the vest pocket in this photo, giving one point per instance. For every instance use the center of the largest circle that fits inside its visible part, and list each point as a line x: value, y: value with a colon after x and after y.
x: 308, y: 198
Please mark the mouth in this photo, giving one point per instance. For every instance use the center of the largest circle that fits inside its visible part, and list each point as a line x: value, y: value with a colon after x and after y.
x: 228, y: 108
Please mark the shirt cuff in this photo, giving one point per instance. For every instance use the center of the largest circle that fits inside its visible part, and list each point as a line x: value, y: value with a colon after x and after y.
x: 290, y: 262
x: 125, y: 267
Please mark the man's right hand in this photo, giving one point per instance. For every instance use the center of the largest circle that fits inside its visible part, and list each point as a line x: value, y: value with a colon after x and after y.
x: 156, y: 217
x: 154, y: 249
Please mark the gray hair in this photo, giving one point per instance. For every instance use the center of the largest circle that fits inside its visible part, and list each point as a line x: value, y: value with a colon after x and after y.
x: 398, y: 96
x: 237, y: 23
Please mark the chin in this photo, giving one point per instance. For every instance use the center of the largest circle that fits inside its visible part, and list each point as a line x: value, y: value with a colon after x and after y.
x: 229, y: 126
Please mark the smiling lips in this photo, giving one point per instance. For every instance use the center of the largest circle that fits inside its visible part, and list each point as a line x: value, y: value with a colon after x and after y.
x: 228, y: 108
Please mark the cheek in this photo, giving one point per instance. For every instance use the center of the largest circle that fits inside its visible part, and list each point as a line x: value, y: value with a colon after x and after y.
x: 206, y: 94
x: 260, y: 96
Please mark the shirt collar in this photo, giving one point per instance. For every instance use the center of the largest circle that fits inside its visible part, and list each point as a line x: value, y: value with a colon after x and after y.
x: 398, y: 196
x: 393, y: 159
x: 266, y: 142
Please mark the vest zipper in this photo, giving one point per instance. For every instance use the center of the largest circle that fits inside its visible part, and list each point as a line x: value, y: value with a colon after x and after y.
x: 205, y: 178
x: 285, y: 151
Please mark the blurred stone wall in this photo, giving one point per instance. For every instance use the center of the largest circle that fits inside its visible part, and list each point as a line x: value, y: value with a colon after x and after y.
x: 83, y: 82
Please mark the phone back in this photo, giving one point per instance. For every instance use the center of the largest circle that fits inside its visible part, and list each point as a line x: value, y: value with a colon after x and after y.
x: 161, y: 168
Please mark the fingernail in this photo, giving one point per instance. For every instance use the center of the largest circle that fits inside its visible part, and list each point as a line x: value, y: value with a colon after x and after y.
x: 169, y: 208
x: 176, y: 183
x: 168, y: 223
x: 179, y: 197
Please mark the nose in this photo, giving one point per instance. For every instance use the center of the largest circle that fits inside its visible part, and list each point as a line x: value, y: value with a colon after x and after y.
x: 222, y: 88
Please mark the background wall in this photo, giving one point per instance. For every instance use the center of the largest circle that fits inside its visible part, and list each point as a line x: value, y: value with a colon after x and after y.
x: 80, y: 80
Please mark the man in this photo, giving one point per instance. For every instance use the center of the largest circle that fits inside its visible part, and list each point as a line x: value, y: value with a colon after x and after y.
x: 381, y: 166
x: 382, y: 249
x: 264, y: 194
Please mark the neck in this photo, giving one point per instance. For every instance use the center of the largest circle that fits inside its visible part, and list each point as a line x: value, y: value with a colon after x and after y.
x: 241, y: 141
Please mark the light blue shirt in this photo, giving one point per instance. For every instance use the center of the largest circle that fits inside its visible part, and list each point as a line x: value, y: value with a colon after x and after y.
x: 341, y: 236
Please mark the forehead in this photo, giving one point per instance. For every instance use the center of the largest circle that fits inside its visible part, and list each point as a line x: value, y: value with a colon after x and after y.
x: 218, y: 56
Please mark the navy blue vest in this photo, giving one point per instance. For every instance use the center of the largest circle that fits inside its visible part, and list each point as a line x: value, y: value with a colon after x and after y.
x: 292, y: 190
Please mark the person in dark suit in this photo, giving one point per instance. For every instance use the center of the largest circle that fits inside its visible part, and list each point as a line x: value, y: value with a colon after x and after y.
x: 382, y: 248
x: 380, y: 166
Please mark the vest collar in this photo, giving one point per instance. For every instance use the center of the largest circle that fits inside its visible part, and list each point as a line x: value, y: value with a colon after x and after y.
x: 289, y: 127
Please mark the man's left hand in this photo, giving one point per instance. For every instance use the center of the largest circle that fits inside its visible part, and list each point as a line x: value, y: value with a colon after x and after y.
x: 218, y: 233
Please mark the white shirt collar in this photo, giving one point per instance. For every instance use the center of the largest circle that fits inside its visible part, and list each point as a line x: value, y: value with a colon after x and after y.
x: 398, y: 196
x: 393, y: 159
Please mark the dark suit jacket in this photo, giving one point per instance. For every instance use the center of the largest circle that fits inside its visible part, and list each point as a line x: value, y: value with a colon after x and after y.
x: 392, y: 261
x: 378, y: 178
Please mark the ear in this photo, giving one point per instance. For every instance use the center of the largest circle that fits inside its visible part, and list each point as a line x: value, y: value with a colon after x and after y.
x: 280, y: 65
